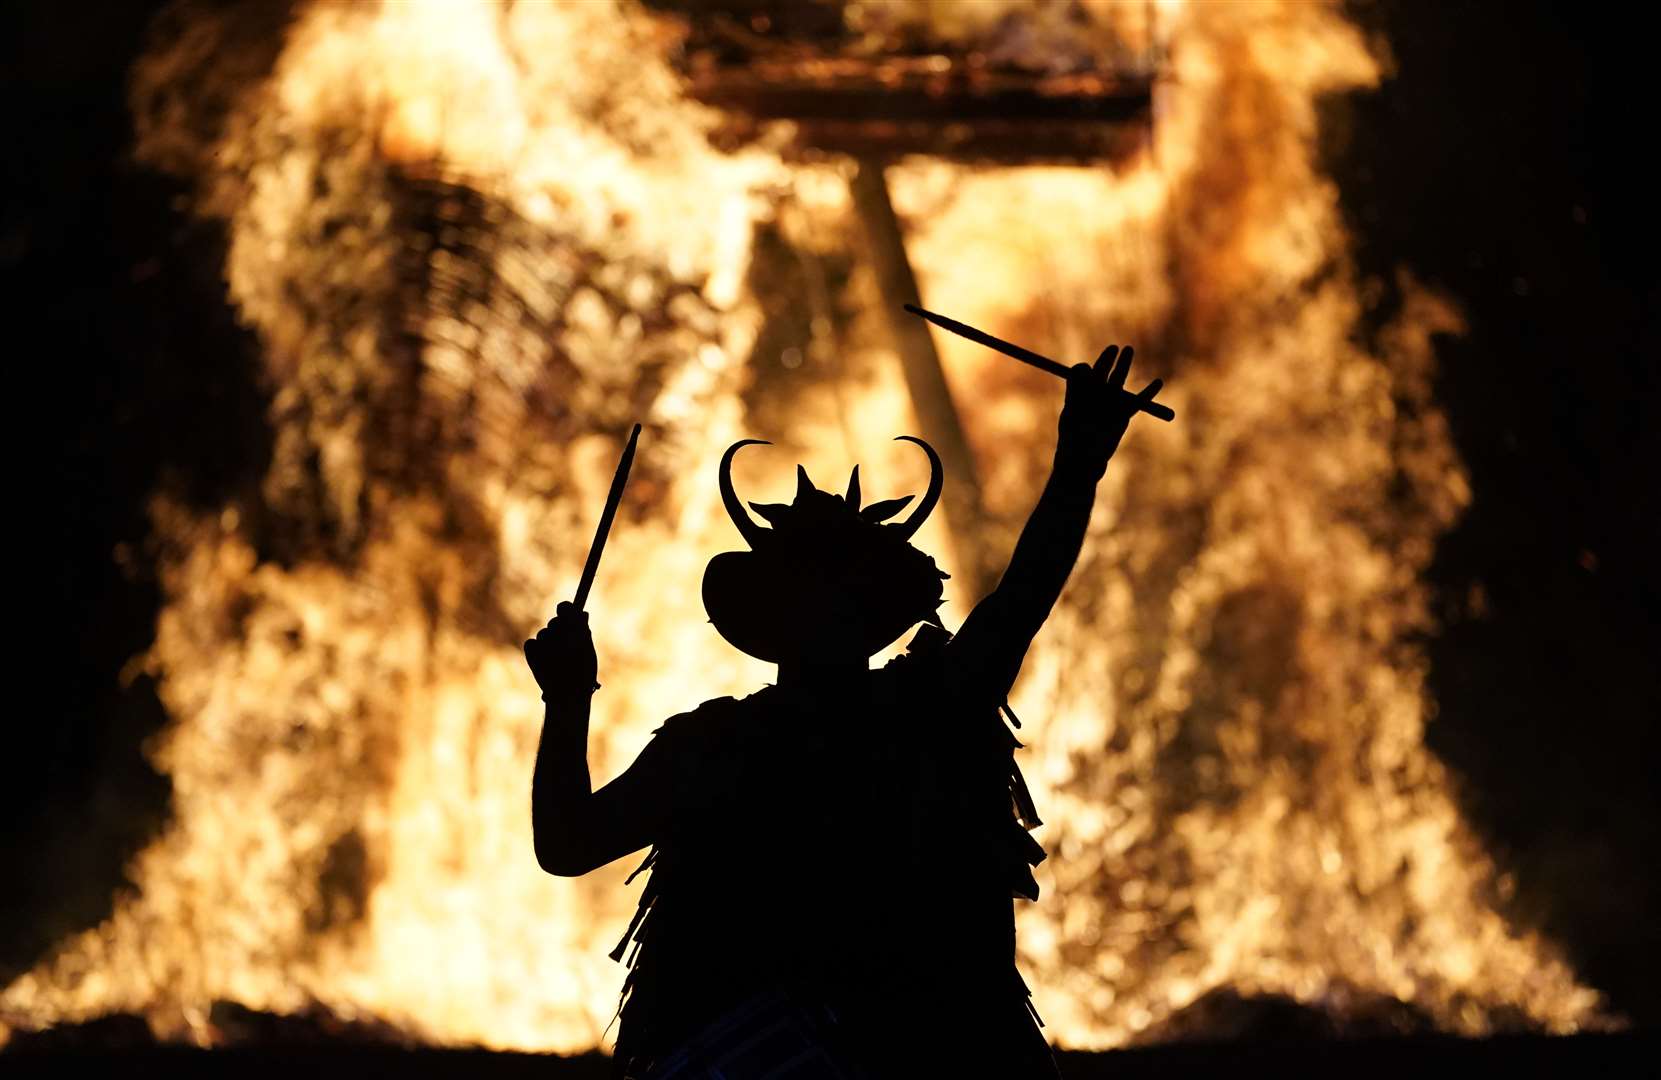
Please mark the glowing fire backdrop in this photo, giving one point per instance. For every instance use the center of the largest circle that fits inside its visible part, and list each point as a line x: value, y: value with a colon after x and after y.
x: 379, y: 288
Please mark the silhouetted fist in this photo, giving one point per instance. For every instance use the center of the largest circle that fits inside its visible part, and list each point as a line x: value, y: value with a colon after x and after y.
x: 561, y: 655
x: 1098, y: 410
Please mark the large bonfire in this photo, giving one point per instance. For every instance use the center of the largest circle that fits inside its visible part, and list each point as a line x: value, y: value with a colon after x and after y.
x: 477, y: 242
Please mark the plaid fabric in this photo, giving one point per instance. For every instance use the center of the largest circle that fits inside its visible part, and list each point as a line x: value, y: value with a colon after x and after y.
x: 768, y: 1037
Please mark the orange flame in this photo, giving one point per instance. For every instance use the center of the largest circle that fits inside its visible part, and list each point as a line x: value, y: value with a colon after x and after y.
x: 475, y: 242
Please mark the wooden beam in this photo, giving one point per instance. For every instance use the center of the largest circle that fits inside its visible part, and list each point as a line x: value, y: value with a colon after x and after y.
x: 931, y: 397
x: 888, y: 107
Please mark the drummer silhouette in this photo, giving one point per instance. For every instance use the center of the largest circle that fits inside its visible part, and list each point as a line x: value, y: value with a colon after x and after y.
x: 833, y: 858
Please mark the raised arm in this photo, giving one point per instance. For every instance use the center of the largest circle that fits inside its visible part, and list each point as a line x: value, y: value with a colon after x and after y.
x: 987, y: 652
x: 576, y: 829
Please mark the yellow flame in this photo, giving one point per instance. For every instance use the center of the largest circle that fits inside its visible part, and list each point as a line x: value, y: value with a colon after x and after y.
x: 473, y: 238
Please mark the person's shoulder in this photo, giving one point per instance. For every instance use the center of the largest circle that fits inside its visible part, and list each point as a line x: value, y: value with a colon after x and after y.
x: 706, y: 749
x: 715, y: 718
x: 919, y: 669
x: 926, y: 649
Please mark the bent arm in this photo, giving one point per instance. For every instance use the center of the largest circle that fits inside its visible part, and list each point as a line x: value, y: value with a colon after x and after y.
x: 574, y: 828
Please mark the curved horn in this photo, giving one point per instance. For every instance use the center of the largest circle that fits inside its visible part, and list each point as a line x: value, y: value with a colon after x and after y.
x: 852, y: 497
x: 747, y: 527
x: 937, y: 480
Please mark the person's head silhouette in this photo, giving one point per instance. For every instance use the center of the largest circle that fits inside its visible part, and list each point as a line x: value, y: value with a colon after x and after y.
x: 829, y: 583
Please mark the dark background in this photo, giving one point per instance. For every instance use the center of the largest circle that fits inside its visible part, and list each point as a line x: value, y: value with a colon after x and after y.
x: 1503, y: 163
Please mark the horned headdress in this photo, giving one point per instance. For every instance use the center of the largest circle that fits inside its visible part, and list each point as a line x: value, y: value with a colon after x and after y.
x: 822, y: 551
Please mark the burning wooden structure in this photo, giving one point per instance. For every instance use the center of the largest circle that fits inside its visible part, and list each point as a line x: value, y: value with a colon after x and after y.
x: 875, y: 101
x: 473, y: 243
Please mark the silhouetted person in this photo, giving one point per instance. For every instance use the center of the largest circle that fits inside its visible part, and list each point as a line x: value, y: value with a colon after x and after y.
x: 833, y: 858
